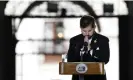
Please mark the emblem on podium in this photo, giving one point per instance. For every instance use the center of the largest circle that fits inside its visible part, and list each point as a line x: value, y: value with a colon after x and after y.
x: 81, y: 68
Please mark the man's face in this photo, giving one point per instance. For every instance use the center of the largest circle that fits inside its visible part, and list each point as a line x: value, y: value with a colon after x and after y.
x: 88, y: 31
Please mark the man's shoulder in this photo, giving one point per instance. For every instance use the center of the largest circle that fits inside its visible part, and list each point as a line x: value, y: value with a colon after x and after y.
x: 77, y: 37
x: 102, y: 37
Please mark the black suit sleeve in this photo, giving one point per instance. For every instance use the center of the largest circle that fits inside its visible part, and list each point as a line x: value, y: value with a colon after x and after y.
x: 70, y: 54
x: 103, y: 54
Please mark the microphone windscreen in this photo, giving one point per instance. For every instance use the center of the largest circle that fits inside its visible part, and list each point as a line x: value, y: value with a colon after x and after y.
x: 85, y: 43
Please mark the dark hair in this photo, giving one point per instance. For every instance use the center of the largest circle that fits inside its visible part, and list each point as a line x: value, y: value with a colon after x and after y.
x: 86, y: 21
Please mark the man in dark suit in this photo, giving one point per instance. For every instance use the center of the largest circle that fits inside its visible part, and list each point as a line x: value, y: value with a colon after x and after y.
x: 97, y: 50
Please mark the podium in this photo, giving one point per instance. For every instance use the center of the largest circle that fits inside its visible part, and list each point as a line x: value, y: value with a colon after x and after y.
x: 92, y: 68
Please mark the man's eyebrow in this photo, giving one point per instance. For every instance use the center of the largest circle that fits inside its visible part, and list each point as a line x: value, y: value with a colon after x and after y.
x: 85, y: 30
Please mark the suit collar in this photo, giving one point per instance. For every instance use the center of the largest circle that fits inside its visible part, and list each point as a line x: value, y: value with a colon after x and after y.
x: 94, y: 40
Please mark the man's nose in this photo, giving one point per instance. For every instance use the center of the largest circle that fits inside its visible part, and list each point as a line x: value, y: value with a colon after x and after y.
x: 87, y: 33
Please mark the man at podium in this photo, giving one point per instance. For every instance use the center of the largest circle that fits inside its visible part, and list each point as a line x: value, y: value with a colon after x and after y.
x: 89, y: 46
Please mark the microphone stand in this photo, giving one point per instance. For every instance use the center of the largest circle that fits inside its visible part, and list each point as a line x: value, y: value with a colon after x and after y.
x: 81, y: 54
x: 82, y: 51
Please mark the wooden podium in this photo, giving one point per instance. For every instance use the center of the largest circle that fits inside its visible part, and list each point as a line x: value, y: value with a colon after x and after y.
x: 93, y: 68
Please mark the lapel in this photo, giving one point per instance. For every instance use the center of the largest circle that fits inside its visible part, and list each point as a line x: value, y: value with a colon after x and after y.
x: 94, y: 41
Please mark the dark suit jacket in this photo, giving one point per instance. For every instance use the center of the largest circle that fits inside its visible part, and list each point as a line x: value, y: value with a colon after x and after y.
x: 101, y: 53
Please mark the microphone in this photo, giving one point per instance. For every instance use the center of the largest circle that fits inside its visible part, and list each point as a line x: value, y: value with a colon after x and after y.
x: 85, y: 46
x: 85, y: 43
x: 84, y: 49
